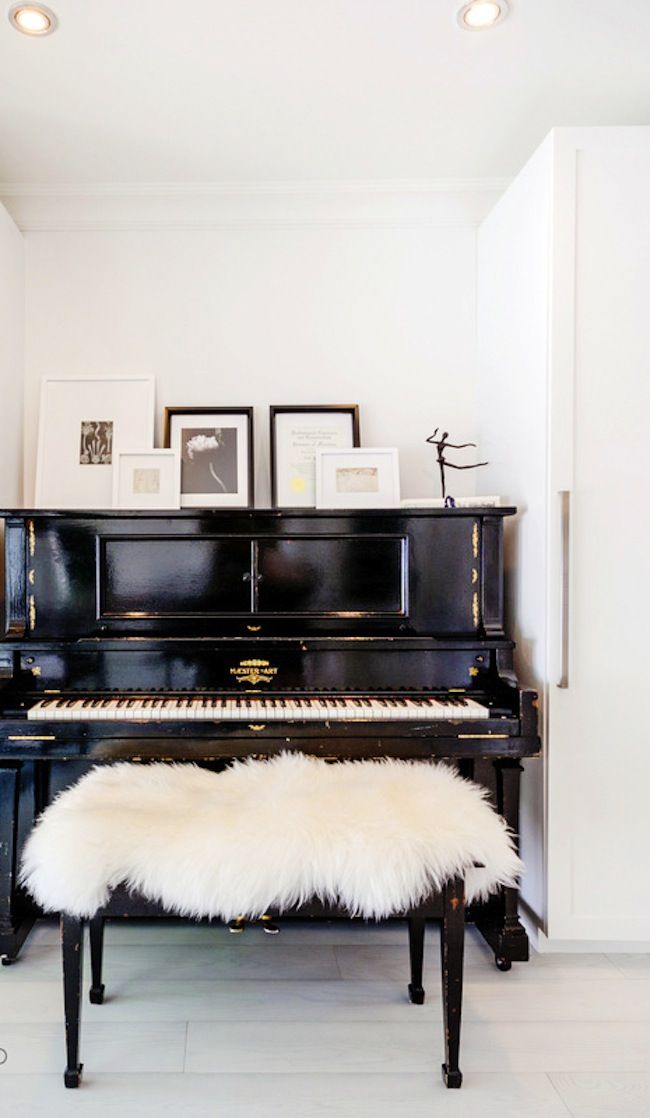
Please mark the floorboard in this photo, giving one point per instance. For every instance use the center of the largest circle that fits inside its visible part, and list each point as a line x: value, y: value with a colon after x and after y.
x: 316, y: 1021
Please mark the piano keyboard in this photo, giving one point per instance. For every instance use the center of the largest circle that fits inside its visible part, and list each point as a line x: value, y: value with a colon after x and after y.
x: 142, y: 708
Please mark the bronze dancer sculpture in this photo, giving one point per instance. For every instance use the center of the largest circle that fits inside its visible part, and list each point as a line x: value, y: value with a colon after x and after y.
x: 442, y: 445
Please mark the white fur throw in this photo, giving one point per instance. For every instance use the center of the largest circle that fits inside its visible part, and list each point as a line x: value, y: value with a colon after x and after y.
x: 371, y: 837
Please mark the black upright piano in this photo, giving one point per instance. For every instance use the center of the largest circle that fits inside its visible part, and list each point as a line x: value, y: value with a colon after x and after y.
x: 210, y: 635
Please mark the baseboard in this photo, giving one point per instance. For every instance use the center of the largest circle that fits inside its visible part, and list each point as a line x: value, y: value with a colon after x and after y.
x: 544, y: 945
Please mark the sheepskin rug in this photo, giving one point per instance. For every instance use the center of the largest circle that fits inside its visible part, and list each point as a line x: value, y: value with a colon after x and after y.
x: 371, y: 837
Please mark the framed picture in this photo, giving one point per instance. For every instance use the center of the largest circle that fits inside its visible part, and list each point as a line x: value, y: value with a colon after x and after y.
x: 146, y: 479
x: 361, y: 478
x: 215, y: 447
x: 81, y: 420
x: 296, y: 434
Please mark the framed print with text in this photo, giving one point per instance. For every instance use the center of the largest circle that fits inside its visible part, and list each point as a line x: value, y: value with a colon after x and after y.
x: 296, y: 434
x: 215, y: 446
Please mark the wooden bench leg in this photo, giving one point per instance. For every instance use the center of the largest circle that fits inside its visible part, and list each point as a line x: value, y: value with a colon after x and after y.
x: 452, y: 942
x: 416, y: 951
x: 72, y: 949
x: 96, y: 927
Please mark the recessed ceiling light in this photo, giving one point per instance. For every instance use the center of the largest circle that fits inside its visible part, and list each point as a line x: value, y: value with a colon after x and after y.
x: 481, y: 14
x: 32, y: 19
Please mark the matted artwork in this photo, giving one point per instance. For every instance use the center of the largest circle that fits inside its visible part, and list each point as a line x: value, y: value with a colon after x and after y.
x: 146, y: 479
x: 215, y: 446
x: 82, y: 420
x: 360, y: 478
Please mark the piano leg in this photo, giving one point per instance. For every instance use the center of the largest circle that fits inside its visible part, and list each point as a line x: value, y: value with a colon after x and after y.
x: 72, y: 944
x: 416, y: 951
x: 452, y: 943
x: 12, y: 932
x: 498, y: 919
x: 96, y: 931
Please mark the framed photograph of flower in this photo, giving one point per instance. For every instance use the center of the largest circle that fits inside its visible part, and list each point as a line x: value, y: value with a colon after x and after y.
x: 215, y: 446
x: 82, y: 420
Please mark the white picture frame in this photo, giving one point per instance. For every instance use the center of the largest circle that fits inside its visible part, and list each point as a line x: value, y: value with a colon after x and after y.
x: 358, y: 478
x: 146, y: 479
x: 82, y: 420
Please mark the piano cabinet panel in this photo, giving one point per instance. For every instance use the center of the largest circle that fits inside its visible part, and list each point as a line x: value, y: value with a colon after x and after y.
x: 344, y: 575
x: 157, y: 576
x: 15, y: 568
x: 219, y: 574
x: 293, y: 666
x: 22, y: 797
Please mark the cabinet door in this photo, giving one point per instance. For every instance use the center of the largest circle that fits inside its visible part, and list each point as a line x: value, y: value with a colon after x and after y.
x: 599, y: 872
x: 173, y: 576
x: 333, y: 576
x: 88, y: 576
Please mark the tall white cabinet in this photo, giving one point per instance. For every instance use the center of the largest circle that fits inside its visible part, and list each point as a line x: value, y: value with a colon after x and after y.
x: 564, y: 406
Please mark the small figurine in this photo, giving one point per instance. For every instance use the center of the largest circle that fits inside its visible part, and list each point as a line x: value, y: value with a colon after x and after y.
x: 442, y: 445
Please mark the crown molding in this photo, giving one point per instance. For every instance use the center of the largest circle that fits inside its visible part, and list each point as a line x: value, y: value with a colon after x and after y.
x: 232, y: 187
x: 77, y: 207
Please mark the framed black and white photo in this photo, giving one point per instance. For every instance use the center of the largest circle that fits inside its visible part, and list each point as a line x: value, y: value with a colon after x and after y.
x: 361, y: 478
x: 82, y: 420
x: 146, y: 479
x: 296, y: 434
x: 215, y: 447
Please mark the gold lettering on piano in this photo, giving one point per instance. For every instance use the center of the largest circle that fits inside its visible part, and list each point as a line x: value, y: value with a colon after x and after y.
x: 253, y: 628
x: 253, y: 671
x: 31, y: 576
x: 255, y: 726
x: 32, y: 611
x: 474, y: 576
x: 32, y: 537
x: 475, y: 540
x: 475, y: 610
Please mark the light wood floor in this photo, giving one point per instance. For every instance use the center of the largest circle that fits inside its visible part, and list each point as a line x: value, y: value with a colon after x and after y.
x: 315, y: 1022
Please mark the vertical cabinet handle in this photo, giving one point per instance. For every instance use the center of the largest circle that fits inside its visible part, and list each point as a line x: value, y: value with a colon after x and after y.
x: 565, y: 530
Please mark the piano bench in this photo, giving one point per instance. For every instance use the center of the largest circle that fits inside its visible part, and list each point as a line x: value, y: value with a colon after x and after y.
x: 368, y: 838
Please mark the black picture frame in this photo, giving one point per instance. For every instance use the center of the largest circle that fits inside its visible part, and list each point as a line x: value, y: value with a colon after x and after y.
x: 244, y: 496
x: 277, y: 410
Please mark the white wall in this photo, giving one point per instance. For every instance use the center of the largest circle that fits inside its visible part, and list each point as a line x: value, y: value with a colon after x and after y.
x: 11, y: 361
x: 379, y: 312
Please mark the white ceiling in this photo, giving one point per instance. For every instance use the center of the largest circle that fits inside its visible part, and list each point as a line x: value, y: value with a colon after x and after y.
x: 281, y: 90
